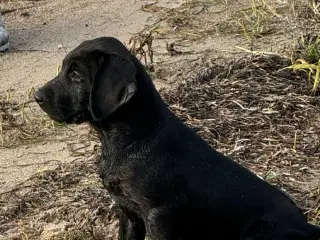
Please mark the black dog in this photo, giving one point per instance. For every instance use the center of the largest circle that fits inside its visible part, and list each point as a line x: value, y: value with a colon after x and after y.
x: 167, y: 180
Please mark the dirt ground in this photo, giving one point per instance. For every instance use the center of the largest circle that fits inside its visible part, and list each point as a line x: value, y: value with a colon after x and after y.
x: 219, y: 64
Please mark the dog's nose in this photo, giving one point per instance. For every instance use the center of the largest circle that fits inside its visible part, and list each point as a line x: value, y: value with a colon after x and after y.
x: 39, y: 97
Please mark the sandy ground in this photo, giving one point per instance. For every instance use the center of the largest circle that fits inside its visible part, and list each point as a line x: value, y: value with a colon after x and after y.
x: 41, y: 33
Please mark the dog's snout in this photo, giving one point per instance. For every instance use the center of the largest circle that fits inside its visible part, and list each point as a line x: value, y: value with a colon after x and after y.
x: 39, y: 97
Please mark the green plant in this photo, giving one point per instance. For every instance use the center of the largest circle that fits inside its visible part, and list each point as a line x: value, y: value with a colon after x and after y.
x: 312, y: 69
x: 312, y: 50
x: 309, y: 59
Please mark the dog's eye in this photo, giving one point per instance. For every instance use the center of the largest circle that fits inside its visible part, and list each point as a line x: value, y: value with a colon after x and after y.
x: 75, y: 76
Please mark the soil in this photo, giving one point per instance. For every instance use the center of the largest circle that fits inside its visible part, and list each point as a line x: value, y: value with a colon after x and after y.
x: 245, y: 105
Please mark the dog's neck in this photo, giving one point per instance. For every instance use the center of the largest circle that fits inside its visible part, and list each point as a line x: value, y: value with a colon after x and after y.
x: 140, y: 119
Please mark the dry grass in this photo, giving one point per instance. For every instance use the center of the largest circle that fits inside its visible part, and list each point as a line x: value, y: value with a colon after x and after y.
x: 254, y: 21
x: 140, y: 45
x: 195, y: 20
x: 67, y: 203
x: 178, y: 21
x: 23, y: 122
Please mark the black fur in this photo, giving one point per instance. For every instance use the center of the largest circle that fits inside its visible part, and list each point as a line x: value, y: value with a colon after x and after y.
x: 167, y: 180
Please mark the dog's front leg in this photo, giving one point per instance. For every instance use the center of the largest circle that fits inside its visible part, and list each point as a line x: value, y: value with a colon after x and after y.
x: 162, y: 224
x: 131, y: 226
x: 123, y: 226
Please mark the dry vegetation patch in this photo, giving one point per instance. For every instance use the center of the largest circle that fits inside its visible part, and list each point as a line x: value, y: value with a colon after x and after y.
x: 67, y: 203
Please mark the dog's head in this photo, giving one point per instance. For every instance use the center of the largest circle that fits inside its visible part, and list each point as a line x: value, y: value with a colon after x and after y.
x: 96, y: 78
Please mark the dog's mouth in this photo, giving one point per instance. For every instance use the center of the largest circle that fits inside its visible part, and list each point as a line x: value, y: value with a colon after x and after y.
x: 70, y: 117
x: 75, y: 118
x: 78, y: 118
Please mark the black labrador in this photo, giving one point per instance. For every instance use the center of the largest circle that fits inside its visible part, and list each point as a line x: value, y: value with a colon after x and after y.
x: 167, y: 180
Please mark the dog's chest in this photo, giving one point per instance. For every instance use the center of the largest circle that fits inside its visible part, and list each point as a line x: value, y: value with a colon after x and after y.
x: 122, y: 191
x: 120, y: 171
x: 115, y: 176
x: 109, y: 173
x: 123, y: 186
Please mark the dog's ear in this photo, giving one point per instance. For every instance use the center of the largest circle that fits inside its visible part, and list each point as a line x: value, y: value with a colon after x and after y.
x: 113, y: 85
